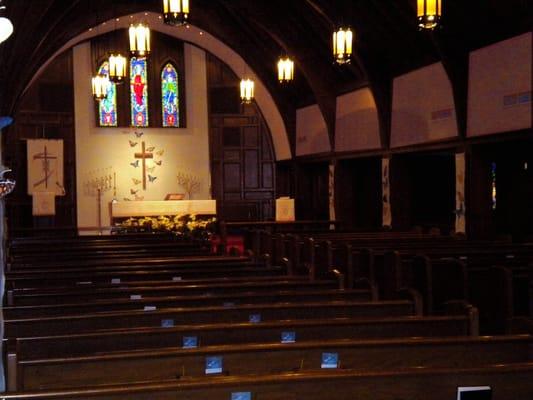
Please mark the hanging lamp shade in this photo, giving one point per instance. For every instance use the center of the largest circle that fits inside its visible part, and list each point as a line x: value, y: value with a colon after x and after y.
x: 285, y: 70
x: 117, y: 68
x: 176, y: 12
x: 139, y: 40
x: 342, y: 45
x: 247, y: 91
x: 100, y: 85
x: 6, y: 29
x: 429, y: 13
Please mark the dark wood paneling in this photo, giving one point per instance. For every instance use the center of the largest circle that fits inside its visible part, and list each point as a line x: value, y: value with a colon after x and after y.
x: 312, y: 200
x: 241, y: 152
x: 358, y: 193
x: 423, y: 190
x: 251, y: 169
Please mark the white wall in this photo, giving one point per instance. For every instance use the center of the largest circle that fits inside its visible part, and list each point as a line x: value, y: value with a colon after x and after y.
x: 185, y: 149
x: 311, y: 131
x: 357, y: 126
x: 503, y: 69
x: 423, y: 109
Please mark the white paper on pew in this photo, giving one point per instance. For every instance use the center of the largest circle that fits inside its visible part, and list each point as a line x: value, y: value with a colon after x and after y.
x: 176, y: 278
x: 136, y: 297
x: 150, y: 308
x: 480, y: 389
x: 84, y: 283
x: 115, y: 280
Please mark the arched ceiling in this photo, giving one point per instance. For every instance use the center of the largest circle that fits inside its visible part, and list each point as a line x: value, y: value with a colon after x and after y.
x: 387, y: 41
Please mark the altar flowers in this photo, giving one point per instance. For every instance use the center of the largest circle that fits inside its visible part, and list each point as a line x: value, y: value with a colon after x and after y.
x: 184, y: 225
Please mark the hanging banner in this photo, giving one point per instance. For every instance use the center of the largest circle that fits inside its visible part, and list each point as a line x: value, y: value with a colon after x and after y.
x: 44, y: 204
x: 460, y: 208
x: 385, y: 190
x: 45, y: 166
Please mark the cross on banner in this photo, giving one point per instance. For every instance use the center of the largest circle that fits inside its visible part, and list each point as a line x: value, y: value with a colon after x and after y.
x: 45, y: 166
x: 143, y: 156
x: 45, y: 157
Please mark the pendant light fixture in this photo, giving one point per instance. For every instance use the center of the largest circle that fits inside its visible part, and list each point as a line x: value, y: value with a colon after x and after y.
x: 139, y: 40
x: 117, y: 68
x: 99, y: 82
x: 343, y: 45
x: 429, y: 13
x: 117, y: 62
x: 176, y: 12
x: 6, y: 27
x: 285, y: 70
x: 247, y: 90
x: 100, y: 85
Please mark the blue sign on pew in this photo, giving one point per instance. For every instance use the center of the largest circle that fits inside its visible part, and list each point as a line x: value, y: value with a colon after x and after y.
x: 288, y: 337
x: 167, y: 323
x: 330, y: 360
x: 213, y: 365
x: 255, y: 318
x: 241, y: 396
x: 190, y: 342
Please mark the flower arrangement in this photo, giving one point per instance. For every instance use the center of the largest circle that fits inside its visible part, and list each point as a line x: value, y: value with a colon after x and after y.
x: 186, y: 225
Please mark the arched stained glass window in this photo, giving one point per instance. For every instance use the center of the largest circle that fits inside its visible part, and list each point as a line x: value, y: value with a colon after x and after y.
x: 107, y: 108
x: 139, y: 92
x: 169, y: 93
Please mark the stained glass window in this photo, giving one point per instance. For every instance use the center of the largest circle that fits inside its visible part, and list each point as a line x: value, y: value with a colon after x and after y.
x: 107, y: 107
x: 493, y: 185
x: 169, y: 93
x: 139, y: 92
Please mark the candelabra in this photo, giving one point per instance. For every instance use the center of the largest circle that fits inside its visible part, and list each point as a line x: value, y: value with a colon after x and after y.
x: 189, y: 182
x: 97, y: 183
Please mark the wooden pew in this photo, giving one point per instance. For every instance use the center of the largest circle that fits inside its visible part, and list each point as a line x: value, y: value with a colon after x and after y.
x: 105, y: 320
x: 172, y: 363
x: 292, y: 296
x: 509, y: 381
x: 143, y: 282
x: 80, y: 295
x: 133, y: 262
x: 50, y: 278
x: 245, y: 332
